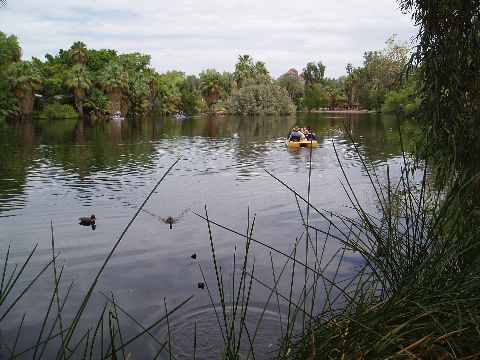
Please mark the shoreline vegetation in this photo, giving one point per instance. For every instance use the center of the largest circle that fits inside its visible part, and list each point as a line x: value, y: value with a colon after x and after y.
x: 95, y: 84
x: 415, y: 294
x: 339, y: 111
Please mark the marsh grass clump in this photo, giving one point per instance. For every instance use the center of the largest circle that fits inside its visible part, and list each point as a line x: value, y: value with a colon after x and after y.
x: 415, y: 294
x: 418, y: 296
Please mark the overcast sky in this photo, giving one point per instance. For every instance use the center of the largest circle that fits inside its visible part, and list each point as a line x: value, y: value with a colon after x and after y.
x: 192, y: 35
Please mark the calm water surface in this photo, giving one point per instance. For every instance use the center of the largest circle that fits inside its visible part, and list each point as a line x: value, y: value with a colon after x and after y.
x: 59, y: 171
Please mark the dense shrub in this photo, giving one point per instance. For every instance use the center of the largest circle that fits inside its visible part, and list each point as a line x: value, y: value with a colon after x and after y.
x: 402, y: 102
x: 8, y: 105
x: 265, y: 98
x: 58, y: 111
x: 315, y: 97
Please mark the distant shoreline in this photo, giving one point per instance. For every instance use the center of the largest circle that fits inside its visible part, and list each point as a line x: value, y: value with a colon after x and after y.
x: 342, y: 111
x: 223, y: 113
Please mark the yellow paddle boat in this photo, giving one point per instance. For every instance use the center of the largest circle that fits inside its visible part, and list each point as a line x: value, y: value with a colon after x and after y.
x: 302, y: 143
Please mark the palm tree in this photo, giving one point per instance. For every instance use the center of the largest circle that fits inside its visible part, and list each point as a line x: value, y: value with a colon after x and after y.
x: 260, y: 69
x: 78, y: 80
x: 243, y: 69
x: 114, y: 80
x: 210, y: 87
x: 24, y: 79
x: 79, y: 53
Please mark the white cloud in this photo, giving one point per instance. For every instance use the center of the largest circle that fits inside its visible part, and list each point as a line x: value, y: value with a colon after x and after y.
x: 193, y: 35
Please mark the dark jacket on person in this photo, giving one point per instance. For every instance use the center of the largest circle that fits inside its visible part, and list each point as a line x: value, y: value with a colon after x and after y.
x: 296, y: 136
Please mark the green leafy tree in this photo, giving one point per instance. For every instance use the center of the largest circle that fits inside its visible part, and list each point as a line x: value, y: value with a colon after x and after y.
x: 315, y: 97
x: 313, y: 73
x: 335, y: 90
x: 190, y: 95
x: 53, y: 72
x: 24, y: 79
x: 96, y: 103
x: 168, y: 92
x: 134, y: 62
x: 260, y: 69
x: 8, y: 103
x: 403, y: 102
x: 141, y: 92
x: 10, y: 52
x: 381, y: 73
x: 246, y: 70
x: 333, y: 96
x: 210, y: 87
x: 228, y: 84
x: 294, y: 86
x: 449, y: 55
x: 351, y: 84
x: 63, y: 57
x: 448, y: 52
x: 114, y: 81
x: 99, y: 59
x: 78, y: 80
x: 263, y: 98
x: 141, y: 84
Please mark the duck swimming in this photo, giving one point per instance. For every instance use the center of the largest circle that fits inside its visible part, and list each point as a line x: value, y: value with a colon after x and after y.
x: 168, y: 220
x: 87, y: 221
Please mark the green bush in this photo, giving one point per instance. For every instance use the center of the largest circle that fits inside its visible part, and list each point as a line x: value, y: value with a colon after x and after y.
x: 266, y: 98
x: 402, y: 102
x: 96, y: 103
x: 315, y: 97
x: 58, y: 111
x: 8, y: 104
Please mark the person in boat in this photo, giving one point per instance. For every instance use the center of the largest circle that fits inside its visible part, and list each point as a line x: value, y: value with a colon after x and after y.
x: 296, y: 135
x: 310, y: 136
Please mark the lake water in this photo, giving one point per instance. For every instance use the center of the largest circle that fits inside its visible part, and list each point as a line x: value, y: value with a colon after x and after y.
x: 61, y: 170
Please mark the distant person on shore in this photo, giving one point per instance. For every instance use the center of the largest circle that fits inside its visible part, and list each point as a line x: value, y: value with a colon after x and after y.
x: 296, y: 135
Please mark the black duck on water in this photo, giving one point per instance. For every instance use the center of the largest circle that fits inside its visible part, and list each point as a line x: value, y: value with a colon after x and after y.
x: 87, y: 221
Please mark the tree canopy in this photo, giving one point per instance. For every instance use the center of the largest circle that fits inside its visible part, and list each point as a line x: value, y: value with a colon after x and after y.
x: 99, y: 82
x: 313, y: 73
